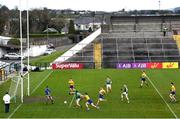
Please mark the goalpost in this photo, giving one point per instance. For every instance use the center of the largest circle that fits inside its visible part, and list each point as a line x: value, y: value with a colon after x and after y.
x: 15, y: 90
x: 22, y: 66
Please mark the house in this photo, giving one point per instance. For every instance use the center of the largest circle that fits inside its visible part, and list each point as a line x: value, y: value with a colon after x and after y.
x: 65, y: 30
x: 50, y: 30
x: 85, y: 23
x: 3, y: 43
x: 4, y: 40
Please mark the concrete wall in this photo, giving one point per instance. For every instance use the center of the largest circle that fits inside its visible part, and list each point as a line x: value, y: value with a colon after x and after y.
x: 2, y: 52
x: 4, y: 40
x: 36, y: 50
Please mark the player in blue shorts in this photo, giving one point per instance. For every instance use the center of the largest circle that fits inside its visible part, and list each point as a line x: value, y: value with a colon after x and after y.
x: 48, y: 95
x: 102, y: 92
x: 89, y: 102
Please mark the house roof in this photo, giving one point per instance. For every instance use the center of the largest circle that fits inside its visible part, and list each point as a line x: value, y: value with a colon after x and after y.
x: 51, y: 30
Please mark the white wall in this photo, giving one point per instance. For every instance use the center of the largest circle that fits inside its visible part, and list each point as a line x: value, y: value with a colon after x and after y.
x: 36, y: 50
x: 2, y: 52
x: 4, y: 40
x: 33, y: 52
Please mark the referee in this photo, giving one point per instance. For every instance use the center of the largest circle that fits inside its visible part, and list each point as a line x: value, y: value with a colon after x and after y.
x: 6, y: 100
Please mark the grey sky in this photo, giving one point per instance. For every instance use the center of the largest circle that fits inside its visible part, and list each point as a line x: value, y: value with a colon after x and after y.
x: 99, y: 5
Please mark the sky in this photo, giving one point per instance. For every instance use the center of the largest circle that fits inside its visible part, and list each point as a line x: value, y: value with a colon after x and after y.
x: 94, y: 5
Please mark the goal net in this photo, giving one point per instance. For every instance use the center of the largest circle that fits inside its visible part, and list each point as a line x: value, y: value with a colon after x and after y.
x: 15, y: 87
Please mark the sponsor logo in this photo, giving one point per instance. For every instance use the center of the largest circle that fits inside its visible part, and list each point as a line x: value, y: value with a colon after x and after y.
x: 139, y: 65
x: 170, y: 65
x: 155, y: 65
x: 67, y: 66
x: 124, y: 65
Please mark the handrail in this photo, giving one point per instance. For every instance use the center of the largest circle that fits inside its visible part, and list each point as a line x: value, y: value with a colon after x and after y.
x: 78, y: 47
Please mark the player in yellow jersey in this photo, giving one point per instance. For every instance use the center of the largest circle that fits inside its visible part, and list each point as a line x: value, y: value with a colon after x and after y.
x: 89, y: 102
x: 172, y: 94
x: 143, y: 79
x: 71, y: 87
x: 102, y: 92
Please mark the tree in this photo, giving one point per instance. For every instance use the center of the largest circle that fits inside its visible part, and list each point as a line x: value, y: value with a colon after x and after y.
x: 71, y: 27
x: 93, y: 15
x: 14, y: 42
x: 4, y: 17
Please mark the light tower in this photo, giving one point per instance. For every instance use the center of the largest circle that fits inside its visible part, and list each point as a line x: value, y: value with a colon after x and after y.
x: 159, y: 2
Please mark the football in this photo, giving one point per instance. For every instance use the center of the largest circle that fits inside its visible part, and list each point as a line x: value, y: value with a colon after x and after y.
x: 65, y: 102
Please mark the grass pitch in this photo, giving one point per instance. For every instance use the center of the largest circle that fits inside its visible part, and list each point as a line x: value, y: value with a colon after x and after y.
x: 144, y: 102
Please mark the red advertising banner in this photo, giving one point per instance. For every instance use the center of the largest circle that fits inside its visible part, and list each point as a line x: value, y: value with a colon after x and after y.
x: 67, y: 66
x: 154, y: 65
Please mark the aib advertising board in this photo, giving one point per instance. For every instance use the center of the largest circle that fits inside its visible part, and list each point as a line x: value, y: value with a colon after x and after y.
x: 67, y: 66
x: 153, y: 65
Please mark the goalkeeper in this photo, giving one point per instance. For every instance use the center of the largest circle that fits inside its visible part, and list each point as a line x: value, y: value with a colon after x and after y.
x: 48, y: 95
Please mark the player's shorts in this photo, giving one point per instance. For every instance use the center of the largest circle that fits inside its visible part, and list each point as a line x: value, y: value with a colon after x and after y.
x: 77, y: 100
x: 71, y: 87
x: 143, y: 79
x: 173, y: 92
x: 89, y: 101
x: 101, y: 97
x: 125, y: 93
x: 108, y: 86
x: 49, y: 96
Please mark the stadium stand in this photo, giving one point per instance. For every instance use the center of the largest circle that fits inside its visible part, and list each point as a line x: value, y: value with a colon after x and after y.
x: 134, y: 39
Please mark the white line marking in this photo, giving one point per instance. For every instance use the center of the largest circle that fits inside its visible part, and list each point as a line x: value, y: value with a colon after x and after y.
x: 162, y: 98
x: 15, y: 111
x: 31, y: 93
x: 41, y: 82
x: 71, y: 101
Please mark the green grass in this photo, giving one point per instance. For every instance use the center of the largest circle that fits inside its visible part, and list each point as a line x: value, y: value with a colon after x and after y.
x: 46, y: 58
x: 144, y: 102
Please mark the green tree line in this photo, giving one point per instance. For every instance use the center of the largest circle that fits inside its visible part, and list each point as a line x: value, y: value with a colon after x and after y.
x: 39, y: 20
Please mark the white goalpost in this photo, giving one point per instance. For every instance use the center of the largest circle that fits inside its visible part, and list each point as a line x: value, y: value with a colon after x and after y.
x: 16, y: 86
x: 28, y: 46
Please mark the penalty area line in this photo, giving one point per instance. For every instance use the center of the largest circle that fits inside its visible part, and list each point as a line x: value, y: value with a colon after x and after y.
x: 31, y: 93
x: 41, y: 82
x: 162, y: 98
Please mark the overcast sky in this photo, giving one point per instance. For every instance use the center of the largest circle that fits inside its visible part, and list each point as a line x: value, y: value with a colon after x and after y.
x: 97, y: 5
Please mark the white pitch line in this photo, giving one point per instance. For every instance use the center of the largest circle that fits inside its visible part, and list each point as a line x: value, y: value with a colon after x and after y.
x: 15, y: 110
x: 162, y: 98
x: 41, y: 82
x: 71, y: 101
x: 31, y: 93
